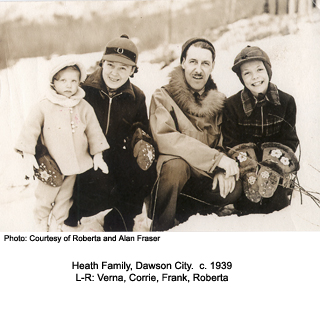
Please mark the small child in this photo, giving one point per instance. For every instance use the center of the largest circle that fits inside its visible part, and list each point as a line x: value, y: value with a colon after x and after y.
x: 259, y: 132
x: 68, y: 127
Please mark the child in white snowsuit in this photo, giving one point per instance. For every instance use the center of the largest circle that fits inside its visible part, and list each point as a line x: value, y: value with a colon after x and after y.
x: 68, y: 127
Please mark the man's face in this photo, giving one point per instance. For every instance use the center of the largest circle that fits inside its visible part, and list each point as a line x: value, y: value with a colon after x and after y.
x: 255, y: 77
x: 197, y: 66
x: 116, y: 74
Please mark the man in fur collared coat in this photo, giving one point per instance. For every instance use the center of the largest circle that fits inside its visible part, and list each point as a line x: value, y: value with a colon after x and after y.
x: 185, y: 119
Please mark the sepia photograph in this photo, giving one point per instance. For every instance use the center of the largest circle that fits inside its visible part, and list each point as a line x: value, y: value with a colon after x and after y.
x: 160, y: 161
x: 150, y: 156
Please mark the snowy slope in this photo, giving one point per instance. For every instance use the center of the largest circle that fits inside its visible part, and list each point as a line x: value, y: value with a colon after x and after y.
x: 296, y: 70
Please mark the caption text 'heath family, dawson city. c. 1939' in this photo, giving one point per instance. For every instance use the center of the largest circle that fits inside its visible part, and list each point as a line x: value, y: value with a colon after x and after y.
x: 179, y: 271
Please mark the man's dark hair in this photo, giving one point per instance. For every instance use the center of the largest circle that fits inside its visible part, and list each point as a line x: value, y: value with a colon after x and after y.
x: 198, y: 42
x: 205, y: 46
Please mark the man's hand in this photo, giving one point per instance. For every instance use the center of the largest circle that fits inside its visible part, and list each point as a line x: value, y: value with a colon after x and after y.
x: 230, y: 166
x: 98, y: 162
x: 226, y: 185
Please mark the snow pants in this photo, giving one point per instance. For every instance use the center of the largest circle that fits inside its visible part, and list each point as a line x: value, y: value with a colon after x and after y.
x: 176, y: 177
x: 55, y: 199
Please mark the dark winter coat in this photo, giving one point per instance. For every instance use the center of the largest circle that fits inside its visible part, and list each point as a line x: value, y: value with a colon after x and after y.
x: 273, y: 121
x: 119, y: 117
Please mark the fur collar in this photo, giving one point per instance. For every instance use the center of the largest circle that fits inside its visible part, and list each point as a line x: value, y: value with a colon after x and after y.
x: 211, y: 101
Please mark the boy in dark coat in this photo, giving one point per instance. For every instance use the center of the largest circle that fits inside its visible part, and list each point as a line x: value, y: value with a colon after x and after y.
x: 122, y: 114
x: 262, y: 119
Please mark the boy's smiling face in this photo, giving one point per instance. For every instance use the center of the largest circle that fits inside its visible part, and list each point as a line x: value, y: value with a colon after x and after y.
x: 116, y: 74
x: 255, y: 77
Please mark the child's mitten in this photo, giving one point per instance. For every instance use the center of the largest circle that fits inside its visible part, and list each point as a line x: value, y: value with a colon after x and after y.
x: 244, y: 154
x: 98, y: 162
x: 278, y: 161
x: 145, y: 154
x: 268, y: 181
x: 48, y: 171
x: 143, y: 149
x: 279, y: 157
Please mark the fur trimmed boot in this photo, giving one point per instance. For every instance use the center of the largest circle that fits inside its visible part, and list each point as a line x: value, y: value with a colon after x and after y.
x: 245, y: 156
x: 278, y: 161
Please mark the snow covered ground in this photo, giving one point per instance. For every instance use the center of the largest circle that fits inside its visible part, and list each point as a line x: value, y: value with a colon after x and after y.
x: 296, y: 70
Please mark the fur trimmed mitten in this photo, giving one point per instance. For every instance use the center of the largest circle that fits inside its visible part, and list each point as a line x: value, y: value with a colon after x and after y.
x: 280, y: 157
x: 143, y: 149
x: 278, y: 161
x: 245, y: 156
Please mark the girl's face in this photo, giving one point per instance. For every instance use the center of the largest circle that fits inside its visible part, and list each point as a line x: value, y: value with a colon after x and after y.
x: 67, y: 82
x: 116, y: 74
x: 255, y: 77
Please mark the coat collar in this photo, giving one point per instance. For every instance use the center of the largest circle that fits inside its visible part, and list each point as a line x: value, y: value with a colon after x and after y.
x: 249, y: 102
x: 95, y: 80
x: 210, y: 102
x: 63, y: 101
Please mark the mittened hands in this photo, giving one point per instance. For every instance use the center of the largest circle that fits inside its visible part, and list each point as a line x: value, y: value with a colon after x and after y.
x: 98, y: 162
x: 144, y: 152
x: 244, y: 154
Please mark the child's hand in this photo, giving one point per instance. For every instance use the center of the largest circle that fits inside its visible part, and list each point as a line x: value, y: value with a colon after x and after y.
x: 98, y: 162
x: 30, y: 162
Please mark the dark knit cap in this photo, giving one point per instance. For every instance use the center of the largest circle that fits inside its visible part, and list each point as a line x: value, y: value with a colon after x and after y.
x: 122, y: 50
x: 251, y: 53
x: 192, y: 41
